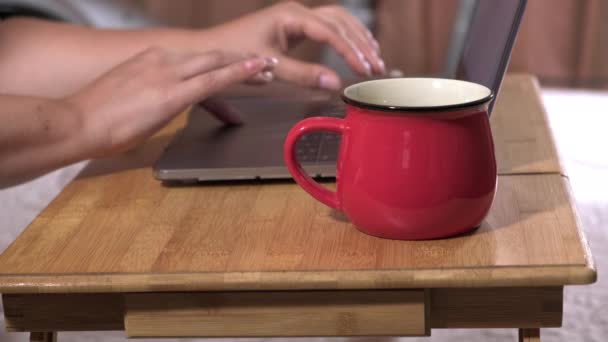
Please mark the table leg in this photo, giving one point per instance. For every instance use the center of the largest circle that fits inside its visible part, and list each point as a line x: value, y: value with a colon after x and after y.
x: 43, y: 337
x: 529, y: 335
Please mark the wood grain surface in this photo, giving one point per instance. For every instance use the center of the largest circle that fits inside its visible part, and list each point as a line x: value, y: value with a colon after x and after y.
x: 167, y: 313
x: 522, y: 136
x: 116, y: 229
x: 287, y: 313
x: 529, y: 335
x: 43, y: 337
x: 497, y: 308
x: 74, y: 312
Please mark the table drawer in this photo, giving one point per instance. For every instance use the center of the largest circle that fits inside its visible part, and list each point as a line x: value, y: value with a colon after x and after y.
x: 286, y: 313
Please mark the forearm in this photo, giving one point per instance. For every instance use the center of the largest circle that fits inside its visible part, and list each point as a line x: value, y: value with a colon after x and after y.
x: 38, y: 135
x: 42, y: 58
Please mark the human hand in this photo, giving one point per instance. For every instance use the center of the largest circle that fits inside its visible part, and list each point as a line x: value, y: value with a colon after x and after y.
x: 274, y: 30
x: 143, y: 94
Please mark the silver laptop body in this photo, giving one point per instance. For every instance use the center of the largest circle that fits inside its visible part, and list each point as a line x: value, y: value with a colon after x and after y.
x: 207, y: 150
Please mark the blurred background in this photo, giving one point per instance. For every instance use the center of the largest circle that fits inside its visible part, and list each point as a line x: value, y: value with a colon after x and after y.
x: 563, y: 42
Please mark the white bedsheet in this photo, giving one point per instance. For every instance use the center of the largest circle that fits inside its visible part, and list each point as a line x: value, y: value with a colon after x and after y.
x: 579, y: 120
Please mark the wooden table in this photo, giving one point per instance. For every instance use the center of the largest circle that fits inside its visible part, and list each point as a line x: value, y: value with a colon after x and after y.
x: 119, y: 251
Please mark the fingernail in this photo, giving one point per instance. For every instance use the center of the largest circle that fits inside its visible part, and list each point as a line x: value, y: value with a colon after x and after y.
x: 382, y: 66
x: 364, y: 62
x: 267, y: 76
x: 395, y: 73
x: 376, y: 45
x: 272, y: 61
x: 254, y: 64
x: 360, y: 55
x: 329, y: 82
x: 379, y: 63
x: 368, y: 68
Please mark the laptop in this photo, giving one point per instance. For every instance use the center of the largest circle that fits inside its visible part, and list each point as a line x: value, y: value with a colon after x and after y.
x: 207, y: 150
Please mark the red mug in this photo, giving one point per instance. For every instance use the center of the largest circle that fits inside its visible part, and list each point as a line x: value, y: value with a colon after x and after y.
x: 416, y: 159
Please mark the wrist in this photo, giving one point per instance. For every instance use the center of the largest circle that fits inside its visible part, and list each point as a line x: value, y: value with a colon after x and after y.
x: 85, y: 138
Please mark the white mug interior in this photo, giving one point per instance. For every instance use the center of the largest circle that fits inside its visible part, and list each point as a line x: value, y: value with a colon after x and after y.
x: 416, y: 93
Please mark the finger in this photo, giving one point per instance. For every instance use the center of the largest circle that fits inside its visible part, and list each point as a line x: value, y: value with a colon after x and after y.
x: 361, y: 35
x: 167, y: 57
x: 212, y: 60
x: 222, y: 111
x: 261, y: 78
x: 308, y: 74
x: 198, y: 63
x: 368, y: 51
x: 319, y: 30
x: 356, y: 24
x: 189, y: 65
x: 180, y: 57
x: 267, y: 75
x: 199, y: 87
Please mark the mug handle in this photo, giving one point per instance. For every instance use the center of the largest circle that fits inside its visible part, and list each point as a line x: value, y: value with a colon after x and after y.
x: 305, y: 126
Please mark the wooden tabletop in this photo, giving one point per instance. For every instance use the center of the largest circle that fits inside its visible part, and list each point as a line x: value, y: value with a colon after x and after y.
x: 116, y: 229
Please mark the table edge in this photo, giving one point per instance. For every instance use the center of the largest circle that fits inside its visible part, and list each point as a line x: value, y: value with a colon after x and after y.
x: 505, y: 276
x: 527, y: 276
x: 589, y: 260
x: 539, y: 98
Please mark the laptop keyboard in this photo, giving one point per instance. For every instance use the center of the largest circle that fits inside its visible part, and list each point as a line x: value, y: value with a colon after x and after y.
x: 321, y: 147
x: 318, y: 147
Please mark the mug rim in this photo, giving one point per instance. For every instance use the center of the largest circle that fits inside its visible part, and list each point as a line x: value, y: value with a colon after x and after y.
x: 391, y: 108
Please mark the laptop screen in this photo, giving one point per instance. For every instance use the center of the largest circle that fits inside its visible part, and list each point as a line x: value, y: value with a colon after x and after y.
x: 490, y: 39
